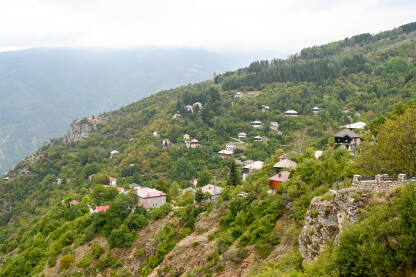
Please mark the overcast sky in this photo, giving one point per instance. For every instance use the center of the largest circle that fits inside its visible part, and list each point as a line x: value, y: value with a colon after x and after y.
x: 283, y: 26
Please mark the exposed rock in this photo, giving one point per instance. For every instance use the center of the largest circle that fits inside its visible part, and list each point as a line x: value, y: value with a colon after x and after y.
x: 324, y: 219
x: 81, y: 128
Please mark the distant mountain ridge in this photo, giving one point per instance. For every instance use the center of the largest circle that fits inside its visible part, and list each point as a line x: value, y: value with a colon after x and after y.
x: 44, y: 90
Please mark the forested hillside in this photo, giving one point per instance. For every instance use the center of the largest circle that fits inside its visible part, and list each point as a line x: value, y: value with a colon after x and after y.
x: 44, y: 90
x: 248, y: 231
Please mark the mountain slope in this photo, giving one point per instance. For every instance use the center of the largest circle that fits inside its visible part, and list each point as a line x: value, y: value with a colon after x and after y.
x: 43, y: 90
x: 43, y: 234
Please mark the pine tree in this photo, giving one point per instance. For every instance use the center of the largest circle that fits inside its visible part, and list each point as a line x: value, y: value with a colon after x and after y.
x: 234, y: 177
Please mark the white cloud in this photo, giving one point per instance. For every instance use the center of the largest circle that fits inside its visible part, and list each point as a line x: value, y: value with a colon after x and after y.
x: 233, y: 25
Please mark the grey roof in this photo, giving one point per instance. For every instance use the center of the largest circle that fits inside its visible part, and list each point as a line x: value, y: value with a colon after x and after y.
x: 346, y: 132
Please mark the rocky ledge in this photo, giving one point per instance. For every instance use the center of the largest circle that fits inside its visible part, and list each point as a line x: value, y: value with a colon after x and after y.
x: 325, y: 216
x: 81, y: 128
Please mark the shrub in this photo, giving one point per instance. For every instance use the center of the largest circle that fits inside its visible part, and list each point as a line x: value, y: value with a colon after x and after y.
x: 97, y: 250
x: 85, y: 261
x: 327, y: 196
x: 264, y: 249
x: 140, y: 253
x: 67, y: 261
x: 157, y: 213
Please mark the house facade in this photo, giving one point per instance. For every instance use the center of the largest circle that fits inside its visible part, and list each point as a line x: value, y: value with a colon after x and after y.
x: 113, y: 181
x: 256, y: 124
x: 348, y: 139
x: 194, y: 143
x: 150, y: 198
x: 249, y: 168
x: 276, y: 180
x: 225, y: 153
x: 213, y: 191
x: 242, y: 135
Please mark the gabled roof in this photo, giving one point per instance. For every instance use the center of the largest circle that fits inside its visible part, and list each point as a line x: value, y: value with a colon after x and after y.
x: 194, y: 141
x: 114, y: 152
x: 144, y: 192
x: 291, y: 112
x: 346, y: 132
x: 280, y: 177
x: 210, y: 189
x: 286, y: 163
x: 102, y: 208
x: 357, y: 125
x: 112, y: 179
x: 315, y: 108
x: 134, y: 185
x: 73, y: 202
x: 226, y: 152
x: 255, y: 165
x: 257, y: 137
x: 242, y: 134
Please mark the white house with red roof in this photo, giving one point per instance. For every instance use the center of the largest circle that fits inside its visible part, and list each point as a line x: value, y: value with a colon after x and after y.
x: 113, y: 181
x: 150, y: 198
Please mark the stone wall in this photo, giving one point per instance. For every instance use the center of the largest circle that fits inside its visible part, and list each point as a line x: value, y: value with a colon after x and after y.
x: 380, y: 183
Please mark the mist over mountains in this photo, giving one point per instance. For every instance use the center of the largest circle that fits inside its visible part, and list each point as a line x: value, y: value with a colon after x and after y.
x: 43, y: 90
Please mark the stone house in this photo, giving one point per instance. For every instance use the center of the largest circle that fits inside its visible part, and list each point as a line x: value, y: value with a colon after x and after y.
x: 348, y: 139
x: 150, y: 198
x: 213, y: 191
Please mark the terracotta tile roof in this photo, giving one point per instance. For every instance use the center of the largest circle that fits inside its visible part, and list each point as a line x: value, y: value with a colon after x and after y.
x: 102, y: 208
x: 144, y: 192
x: 73, y: 202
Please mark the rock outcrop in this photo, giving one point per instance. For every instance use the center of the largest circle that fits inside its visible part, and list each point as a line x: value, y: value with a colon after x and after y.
x: 324, y: 218
x: 81, y: 128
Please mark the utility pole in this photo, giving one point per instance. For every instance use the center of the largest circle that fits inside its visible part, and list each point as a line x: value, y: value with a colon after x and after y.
x: 215, y: 193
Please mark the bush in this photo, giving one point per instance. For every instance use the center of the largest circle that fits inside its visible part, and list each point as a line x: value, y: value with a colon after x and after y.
x: 157, y: 213
x: 85, y: 261
x: 67, y: 261
x: 97, y: 250
x: 264, y: 249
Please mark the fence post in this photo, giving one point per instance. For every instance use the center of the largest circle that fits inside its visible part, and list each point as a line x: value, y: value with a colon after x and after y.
x: 378, y: 179
x: 356, y: 180
x: 401, y: 178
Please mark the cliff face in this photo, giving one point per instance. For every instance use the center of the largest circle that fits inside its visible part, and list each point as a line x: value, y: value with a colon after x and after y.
x: 81, y: 128
x: 324, y: 219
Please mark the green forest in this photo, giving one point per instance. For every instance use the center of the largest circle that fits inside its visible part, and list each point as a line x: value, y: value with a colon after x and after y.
x: 369, y: 78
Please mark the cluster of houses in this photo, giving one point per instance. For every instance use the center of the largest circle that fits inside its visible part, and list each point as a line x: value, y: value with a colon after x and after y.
x: 191, y: 108
x: 190, y: 143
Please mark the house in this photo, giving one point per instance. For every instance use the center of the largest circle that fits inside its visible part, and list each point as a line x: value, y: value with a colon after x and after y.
x: 258, y: 138
x: 274, y: 125
x: 291, y: 113
x: 113, y: 181
x: 284, y: 163
x: 165, y: 142
x: 7, y: 178
x: 186, y: 137
x: 239, y: 94
x: 176, y: 115
x: 318, y: 153
x: 247, y: 169
x: 24, y: 171
x: 214, y: 191
x: 90, y: 177
x: 195, y: 181
x: 150, y: 198
x: 187, y: 143
x: 279, y: 178
x: 348, y: 139
x: 225, y: 153
x: 198, y: 104
x: 358, y: 126
x: 156, y: 134
x: 59, y: 181
x: 256, y: 124
x: 315, y: 110
x: 189, y: 108
x: 230, y: 146
x: 73, y: 202
x: 100, y: 209
x: 265, y: 108
x: 194, y: 143
x: 112, y: 153
x: 242, y: 135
